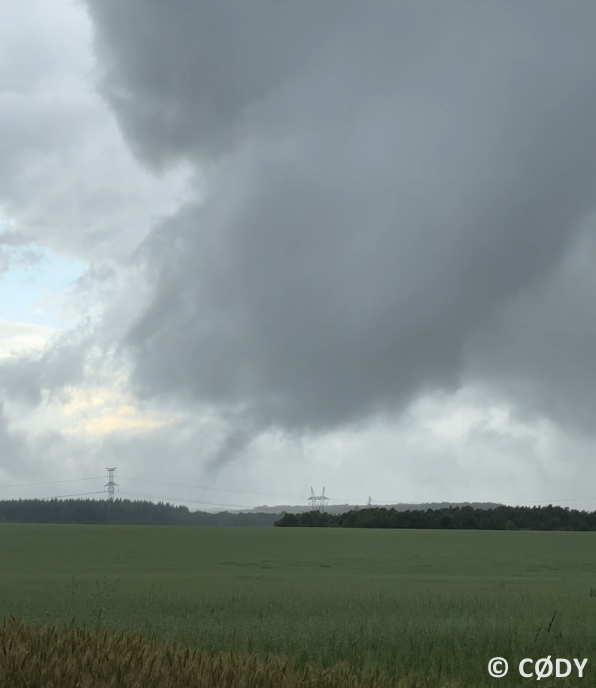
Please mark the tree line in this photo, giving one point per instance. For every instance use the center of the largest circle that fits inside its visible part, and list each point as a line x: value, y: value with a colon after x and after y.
x: 128, y: 512
x: 121, y: 512
x: 452, y: 518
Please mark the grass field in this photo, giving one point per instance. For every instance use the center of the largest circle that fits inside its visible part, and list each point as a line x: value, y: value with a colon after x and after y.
x: 436, y: 605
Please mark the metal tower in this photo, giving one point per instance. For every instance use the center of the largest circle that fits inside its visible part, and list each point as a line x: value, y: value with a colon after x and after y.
x: 369, y: 503
x: 111, y: 485
x: 317, y: 502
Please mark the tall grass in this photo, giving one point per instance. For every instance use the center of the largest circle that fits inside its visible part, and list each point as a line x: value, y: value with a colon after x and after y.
x: 442, y: 632
x: 77, y: 659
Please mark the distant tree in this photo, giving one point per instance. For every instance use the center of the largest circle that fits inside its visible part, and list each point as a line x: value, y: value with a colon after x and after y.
x: 446, y: 521
x: 121, y: 512
x: 499, y: 518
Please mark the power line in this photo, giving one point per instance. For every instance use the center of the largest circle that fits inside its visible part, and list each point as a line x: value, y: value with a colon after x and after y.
x: 154, y: 482
x: 245, y: 492
x: 345, y: 500
x: 216, y: 489
x: 210, y: 489
x: 542, y: 501
x: 502, y: 501
x: 80, y: 494
x: 54, y: 482
x: 192, y: 501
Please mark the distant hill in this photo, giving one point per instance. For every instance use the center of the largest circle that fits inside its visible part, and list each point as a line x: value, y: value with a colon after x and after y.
x: 343, y: 508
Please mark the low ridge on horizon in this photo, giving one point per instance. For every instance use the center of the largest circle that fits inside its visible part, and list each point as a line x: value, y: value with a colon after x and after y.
x: 341, y: 508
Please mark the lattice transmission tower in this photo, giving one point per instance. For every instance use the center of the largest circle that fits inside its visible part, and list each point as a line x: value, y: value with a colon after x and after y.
x: 317, y: 502
x: 111, y: 485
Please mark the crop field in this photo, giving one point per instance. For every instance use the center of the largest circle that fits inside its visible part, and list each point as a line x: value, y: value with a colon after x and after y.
x: 418, y: 607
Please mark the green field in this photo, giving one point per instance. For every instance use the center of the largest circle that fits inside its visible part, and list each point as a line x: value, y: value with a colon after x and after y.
x: 436, y: 604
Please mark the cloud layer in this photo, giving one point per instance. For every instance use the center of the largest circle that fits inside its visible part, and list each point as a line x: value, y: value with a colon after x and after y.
x: 381, y: 182
x: 346, y: 244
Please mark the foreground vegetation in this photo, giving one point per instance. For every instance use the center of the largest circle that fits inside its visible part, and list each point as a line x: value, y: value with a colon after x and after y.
x: 465, y: 518
x: 426, y: 607
x: 78, y: 659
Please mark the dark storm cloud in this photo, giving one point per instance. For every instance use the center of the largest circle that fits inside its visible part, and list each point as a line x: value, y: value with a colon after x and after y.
x: 382, y: 180
x: 182, y: 76
x: 539, y: 349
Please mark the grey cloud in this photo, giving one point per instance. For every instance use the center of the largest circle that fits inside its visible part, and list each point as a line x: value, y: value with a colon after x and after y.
x: 197, y: 444
x: 180, y: 77
x: 66, y: 180
x: 383, y: 180
x: 22, y: 452
x: 16, y: 251
x: 539, y: 349
x: 25, y: 379
x: 13, y: 446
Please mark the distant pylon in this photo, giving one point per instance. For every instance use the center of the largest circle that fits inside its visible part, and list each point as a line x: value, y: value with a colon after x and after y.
x: 369, y: 503
x: 317, y: 502
x: 111, y: 485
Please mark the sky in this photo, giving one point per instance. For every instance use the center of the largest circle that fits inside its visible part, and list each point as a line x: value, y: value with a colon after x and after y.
x: 249, y: 247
